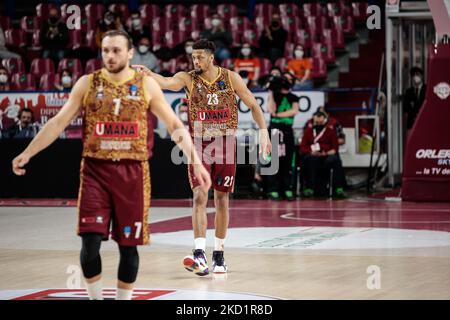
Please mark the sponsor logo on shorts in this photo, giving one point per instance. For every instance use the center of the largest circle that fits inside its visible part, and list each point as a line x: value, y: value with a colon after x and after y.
x: 127, y: 231
x: 115, y: 145
x: 99, y: 220
x: 123, y: 129
x: 214, y: 115
x: 442, y: 90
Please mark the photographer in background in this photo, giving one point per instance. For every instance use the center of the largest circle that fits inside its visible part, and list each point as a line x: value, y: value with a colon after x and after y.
x: 25, y: 128
x: 283, y: 106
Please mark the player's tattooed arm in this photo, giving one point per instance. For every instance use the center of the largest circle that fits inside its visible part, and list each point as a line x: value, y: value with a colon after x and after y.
x: 247, y: 97
x: 54, y: 127
x: 175, y: 83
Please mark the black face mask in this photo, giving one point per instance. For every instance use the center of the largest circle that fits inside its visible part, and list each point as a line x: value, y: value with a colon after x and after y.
x: 318, y: 127
x: 53, y: 19
x: 275, y: 24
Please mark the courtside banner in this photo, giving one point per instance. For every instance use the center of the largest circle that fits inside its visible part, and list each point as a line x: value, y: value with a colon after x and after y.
x: 47, y: 104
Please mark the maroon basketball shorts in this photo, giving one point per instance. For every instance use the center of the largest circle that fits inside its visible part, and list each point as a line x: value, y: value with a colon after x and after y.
x: 114, y: 199
x: 218, y: 155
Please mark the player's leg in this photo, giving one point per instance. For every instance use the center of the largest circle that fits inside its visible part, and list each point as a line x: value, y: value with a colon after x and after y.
x: 221, y: 203
x: 91, y: 264
x: 127, y: 273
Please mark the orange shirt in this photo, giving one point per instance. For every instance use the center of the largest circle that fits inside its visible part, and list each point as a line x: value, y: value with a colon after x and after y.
x: 249, y: 65
x: 299, y: 66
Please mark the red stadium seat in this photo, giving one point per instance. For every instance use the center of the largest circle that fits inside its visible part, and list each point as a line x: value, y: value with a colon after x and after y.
x: 240, y: 24
x: 228, y: 63
x: 47, y: 81
x: 282, y: 64
x: 324, y: 51
x: 227, y: 11
x: 175, y: 37
x: 333, y: 9
x: 199, y: 12
x: 174, y: 11
x: 15, y: 38
x: 250, y: 36
x: 157, y: 41
x: 75, y: 39
x: 319, y: 69
x: 170, y: 65
x: 345, y: 23
x: 289, y: 10
x: 289, y: 49
x: 261, y: 22
x: 95, y: 10
x: 291, y: 24
x: 23, y: 82
x: 313, y: 9
x: 14, y: 65
x: 30, y: 24
x: 42, y: 9
x: 90, y: 40
x: 264, y: 10
x: 188, y: 24
x: 195, y: 35
x: 40, y: 66
x: 161, y: 24
x: 236, y: 36
x: 266, y: 65
x: 5, y: 23
x: 303, y: 37
x: 74, y: 65
x: 149, y: 11
x: 36, y: 40
x: 335, y: 37
x: 93, y: 64
x: 121, y: 10
x: 359, y: 11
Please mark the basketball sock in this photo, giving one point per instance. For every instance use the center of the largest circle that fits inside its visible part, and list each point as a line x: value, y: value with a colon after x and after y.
x: 218, y: 244
x: 124, y: 294
x: 200, y: 243
x: 95, y: 290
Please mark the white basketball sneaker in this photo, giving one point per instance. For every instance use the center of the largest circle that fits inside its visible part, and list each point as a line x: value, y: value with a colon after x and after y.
x: 196, y: 263
x: 219, y: 265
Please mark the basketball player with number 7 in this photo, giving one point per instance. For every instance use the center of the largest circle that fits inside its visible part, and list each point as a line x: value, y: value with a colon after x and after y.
x: 213, y: 118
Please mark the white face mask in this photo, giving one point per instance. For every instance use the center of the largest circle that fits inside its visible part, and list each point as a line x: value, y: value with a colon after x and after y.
x: 66, y: 81
x: 143, y: 49
x: 136, y: 22
x: 3, y: 78
x: 299, y: 53
x: 183, y: 116
x: 246, y: 52
x: 417, y: 80
x: 215, y: 22
x: 188, y: 49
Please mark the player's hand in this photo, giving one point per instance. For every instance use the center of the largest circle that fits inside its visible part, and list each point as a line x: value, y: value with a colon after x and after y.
x: 19, y: 162
x: 265, y: 147
x: 142, y: 69
x: 202, y: 176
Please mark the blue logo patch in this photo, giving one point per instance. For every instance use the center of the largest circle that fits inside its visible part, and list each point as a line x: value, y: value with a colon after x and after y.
x: 133, y: 90
x: 127, y: 231
x: 221, y: 85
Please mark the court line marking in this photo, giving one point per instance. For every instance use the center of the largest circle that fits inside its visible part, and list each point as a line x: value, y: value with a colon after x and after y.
x: 388, y: 210
x: 289, y: 216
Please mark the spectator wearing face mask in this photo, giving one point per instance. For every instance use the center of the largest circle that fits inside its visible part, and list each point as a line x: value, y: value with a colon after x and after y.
x: 264, y: 80
x: 143, y: 56
x: 414, y: 96
x: 54, y: 36
x: 273, y: 39
x: 110, y: 22
x: 65, y: 83
x: 318, y: 152
x: 136, y: 28
x: 247, y: 61
x: 301, y: 67
x: 4, y: 52
x: 4, y: 83
x: 25, y: 128
x: 185, y: 62
x: 220, y: 36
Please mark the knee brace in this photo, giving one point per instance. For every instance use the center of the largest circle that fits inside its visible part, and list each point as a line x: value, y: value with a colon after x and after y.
x: 129, y: 264
x: 90, y: 260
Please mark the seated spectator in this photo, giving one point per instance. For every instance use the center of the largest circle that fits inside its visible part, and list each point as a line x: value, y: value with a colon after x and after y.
x: 220, y: 36
x: 25, y: 128
x: 54, y: 36
x: 330, y: 121
x: 4, y: 80
x: 318, y: 151
x: 185, y: 63
x: 136, y: 29
x: 110, y: 22
x: 246, y: 61
x: 65, y: 83
x: 4, y: 52
x: 143, y: 56
x: 300, y: 67
x: 273, y: 39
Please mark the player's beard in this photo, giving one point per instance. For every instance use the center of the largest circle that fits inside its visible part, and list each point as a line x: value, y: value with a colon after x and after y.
x: 198, y: 71
x: 116, y: 70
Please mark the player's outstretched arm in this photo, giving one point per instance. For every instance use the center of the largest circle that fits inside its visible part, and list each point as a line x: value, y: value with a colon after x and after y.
x: 54, y: 127
x: 160, y: 107
x: 175, y: 83
x: 247, y: 97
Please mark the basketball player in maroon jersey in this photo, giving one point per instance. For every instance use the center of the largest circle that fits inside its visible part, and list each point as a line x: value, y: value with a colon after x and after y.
x: 116, y: 102
x: 213, y: 115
